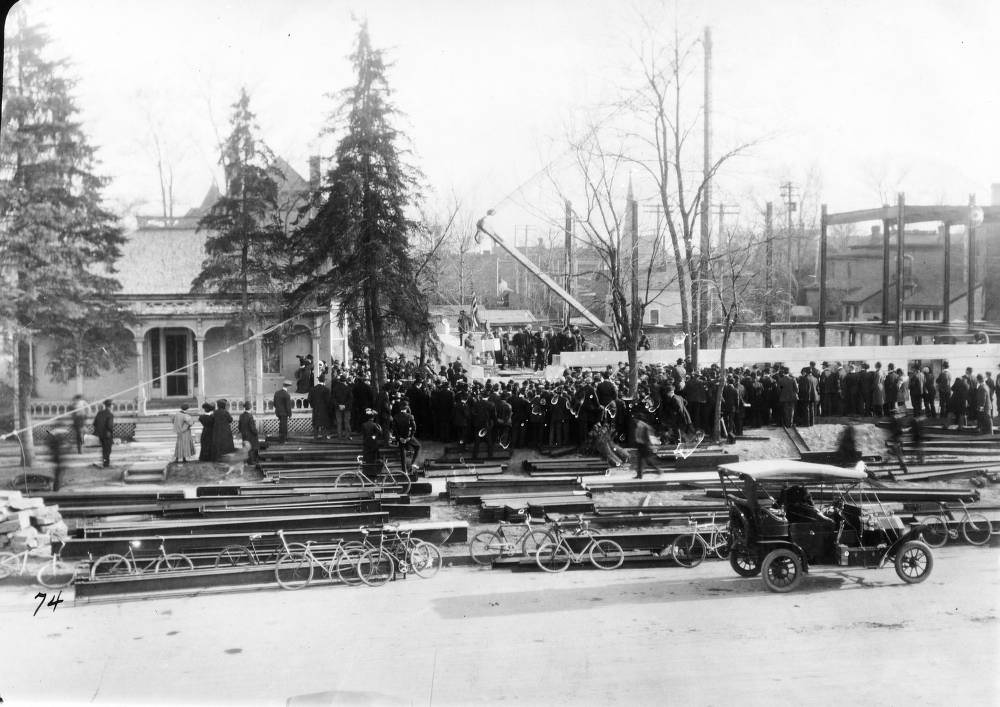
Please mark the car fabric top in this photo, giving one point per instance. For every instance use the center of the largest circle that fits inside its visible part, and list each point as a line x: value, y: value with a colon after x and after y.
x: 794, y: 470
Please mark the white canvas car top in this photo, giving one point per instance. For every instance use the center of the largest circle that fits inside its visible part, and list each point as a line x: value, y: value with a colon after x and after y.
x: 794, y: 470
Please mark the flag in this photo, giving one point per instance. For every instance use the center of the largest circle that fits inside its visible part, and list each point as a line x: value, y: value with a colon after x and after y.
x: 475, y: 309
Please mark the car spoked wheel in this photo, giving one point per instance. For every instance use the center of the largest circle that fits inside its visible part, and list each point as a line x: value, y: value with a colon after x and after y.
x: 743, y: 562
x: 781, y: 570
x: 914, y: 562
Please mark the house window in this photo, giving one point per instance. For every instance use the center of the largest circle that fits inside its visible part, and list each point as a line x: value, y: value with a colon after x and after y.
x: 654, y: 316
x: 270, y: 347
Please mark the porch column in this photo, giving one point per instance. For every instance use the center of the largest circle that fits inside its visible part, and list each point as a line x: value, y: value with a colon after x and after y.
x: 314, y: 335
x: 141, y: 374
x: 199, y: 355
x: 258, y: 352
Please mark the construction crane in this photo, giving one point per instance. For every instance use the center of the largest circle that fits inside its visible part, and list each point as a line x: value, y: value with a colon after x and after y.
x: 520, y: 257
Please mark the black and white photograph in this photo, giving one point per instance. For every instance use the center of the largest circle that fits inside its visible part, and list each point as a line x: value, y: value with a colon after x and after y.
x: 511, y: 352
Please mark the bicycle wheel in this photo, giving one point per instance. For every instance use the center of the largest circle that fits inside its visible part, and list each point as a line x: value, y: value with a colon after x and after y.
x: 397, y: 480
x: 111, y: 566
x: 935, y: 532
x: 425, y: 558
x: 375, y: 567
x: 606, y: 554
x: 173, y: 562
x: 723, y: 541
x: 552, y: 557
x: 349, y: 478
x: 9, y: 564
x: 293, y: 570
x: 485, y: 547
x: 534, y: 540
x: 56, y: 574
x: 976, y: 529
x: 689, y: 550
x: 234, y: 556
x: 348, y: 563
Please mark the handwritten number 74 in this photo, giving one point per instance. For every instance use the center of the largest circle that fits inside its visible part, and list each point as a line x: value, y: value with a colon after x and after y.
x: 54, y: 602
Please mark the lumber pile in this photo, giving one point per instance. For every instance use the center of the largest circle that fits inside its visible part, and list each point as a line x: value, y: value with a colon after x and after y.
x: 26, y: 523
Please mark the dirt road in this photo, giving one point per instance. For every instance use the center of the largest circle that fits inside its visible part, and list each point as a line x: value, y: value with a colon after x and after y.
x: 470, y: 636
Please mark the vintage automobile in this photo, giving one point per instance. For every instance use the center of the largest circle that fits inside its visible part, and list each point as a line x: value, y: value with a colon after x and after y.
x: 783, y: 536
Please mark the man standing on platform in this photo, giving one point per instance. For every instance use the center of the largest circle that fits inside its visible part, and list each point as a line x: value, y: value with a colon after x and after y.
x: 104, y: 430
x: 342, y: 402
x: 283, y: 410
x: 405, y: 428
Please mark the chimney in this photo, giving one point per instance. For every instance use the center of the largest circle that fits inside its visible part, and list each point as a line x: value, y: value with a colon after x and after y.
x: 314, y: 176
x: 995, y: 194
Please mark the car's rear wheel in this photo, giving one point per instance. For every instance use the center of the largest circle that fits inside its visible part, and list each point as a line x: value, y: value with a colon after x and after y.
x: 744, y: 562
x: 914, y: 562
x: 781, y: 570
x: 935, y: 532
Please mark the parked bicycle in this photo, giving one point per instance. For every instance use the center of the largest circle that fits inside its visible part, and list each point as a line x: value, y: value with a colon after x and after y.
x: 243, y: 555
x: 604, y: 554
x: 383, y: 479
x: 115, y: 565
x: 397, y: 552
x: 975, y: 527
x: 297, y: 563
x: 508, y: 539
x: 54, y: 574
x: 691, y: 548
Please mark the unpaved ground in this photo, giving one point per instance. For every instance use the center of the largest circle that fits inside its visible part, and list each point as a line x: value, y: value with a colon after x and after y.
x: 477, y: 636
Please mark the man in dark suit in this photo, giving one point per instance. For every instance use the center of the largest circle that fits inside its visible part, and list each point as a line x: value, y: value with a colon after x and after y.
x: 247, y: 427
x: 788, y: 393
x: 481, y: 416
x: 404, y: 426
x: 104, y: 424
x: 983, y: 406
x: 283, y: 409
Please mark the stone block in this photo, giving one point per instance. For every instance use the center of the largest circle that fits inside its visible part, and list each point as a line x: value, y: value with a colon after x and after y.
x: 21, y: 504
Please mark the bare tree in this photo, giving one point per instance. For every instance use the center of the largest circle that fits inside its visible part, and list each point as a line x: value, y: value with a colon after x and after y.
x: 607, y: 220
x: 667, y: 117
x: 734, y: 273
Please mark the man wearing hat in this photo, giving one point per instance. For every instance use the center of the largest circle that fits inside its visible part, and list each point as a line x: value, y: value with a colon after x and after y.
x: 104, y: 425
x: 341, y: 401
x: 283, y: 409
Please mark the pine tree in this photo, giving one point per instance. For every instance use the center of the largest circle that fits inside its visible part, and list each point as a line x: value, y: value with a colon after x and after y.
x: 355, y: 250
x: 59, y: 245
x: 244, y: 224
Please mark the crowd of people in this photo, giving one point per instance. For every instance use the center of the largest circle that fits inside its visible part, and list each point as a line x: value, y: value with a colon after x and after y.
x: 590, y: 409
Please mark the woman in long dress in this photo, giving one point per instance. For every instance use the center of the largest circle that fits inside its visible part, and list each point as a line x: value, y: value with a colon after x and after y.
x: 222, y: 431
x: 207, y: 453
x: 182, y: 422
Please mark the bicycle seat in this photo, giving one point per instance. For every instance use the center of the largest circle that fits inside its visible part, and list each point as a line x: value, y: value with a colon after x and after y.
x: 256, y: 536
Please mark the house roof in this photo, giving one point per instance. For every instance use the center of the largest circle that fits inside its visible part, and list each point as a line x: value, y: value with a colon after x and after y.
x: 160, y: 261
x: 164, y: 256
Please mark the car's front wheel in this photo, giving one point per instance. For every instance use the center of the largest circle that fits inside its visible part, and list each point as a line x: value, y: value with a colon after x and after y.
x: 781, y: 570
x: 914, y: 562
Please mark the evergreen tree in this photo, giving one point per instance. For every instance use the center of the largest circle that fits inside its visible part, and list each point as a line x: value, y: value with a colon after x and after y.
x: 246, y: 232
x: 355, y: 248
x: 58, y: 245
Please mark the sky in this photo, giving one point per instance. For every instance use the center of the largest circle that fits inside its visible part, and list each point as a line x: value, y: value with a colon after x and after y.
x: 850, y: 100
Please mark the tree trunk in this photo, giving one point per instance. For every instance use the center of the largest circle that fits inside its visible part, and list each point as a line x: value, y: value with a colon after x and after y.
x: 244, y: 328
x: 717, y: 429
x: 25, y: 386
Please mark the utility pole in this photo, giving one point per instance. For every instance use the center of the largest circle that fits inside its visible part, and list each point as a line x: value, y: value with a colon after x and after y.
x: 568, y: 262
x: 768, y: 279
x: 701, y: 310
x: 788, y: 192
x: 723, y: 210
